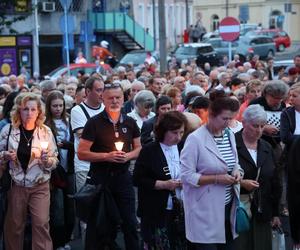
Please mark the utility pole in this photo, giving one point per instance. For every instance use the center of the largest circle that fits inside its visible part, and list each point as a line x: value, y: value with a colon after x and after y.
x: 227, y: 3
x: 36, y: 40
x: 87, y: 43
x: 187, y: 14
x: 162, y: 36
x: 154, y: 23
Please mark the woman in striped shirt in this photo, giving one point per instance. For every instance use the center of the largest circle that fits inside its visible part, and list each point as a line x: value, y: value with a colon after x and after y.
x: 210, y: 174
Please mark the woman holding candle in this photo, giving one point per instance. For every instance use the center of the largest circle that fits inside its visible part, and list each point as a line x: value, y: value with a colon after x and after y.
x: 30, y: 168
x: 157, y: 176
x: 62, y: 182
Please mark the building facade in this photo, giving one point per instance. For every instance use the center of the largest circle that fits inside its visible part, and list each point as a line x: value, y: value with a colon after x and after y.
x: 270, y: 13
x: 176, y: 18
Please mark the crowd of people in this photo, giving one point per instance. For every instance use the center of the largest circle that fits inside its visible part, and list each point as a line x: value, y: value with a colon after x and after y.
x: 176, y: 153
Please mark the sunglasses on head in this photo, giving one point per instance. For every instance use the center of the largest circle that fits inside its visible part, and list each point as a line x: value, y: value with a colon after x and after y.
x: 112, y: 85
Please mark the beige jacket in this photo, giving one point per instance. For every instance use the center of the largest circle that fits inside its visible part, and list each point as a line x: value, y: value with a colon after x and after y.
x: 36, y: 172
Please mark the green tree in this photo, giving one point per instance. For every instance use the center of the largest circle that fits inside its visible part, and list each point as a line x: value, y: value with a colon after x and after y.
x: 12, y: 11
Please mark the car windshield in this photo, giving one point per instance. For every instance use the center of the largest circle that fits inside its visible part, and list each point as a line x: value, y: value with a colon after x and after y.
x: 135, y: 58
x: 54, y: 72
x: 186, y: 51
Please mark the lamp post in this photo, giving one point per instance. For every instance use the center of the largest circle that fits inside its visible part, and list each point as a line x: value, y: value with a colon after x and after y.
x: 154, y: 23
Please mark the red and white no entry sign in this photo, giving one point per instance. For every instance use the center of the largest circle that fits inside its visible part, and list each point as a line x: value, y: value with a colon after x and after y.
x: 229, y: 29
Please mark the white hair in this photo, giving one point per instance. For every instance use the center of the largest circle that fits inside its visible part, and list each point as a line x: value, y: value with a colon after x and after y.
x: 194, y: 88
x: 255, y: 113
x: 72, y: 79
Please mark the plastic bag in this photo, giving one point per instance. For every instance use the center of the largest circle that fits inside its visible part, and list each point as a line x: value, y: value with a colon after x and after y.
x: 278, y: 240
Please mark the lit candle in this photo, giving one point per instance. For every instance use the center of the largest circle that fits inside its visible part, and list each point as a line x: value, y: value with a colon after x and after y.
x: 44, y: 145
x: 119, y: 145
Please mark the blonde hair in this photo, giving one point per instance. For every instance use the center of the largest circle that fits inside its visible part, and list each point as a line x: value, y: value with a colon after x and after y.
x: 20, y: 102
x: 295, y: 87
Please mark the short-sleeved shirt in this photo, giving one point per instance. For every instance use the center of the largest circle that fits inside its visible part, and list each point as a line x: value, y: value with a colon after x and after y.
x: 103, y: 133
x: 78, y: 121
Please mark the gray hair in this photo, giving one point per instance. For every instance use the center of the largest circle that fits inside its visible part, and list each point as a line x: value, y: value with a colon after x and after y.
x: 222, y: 75
x: 195, y: 88
x: 275, y: 88
x: 144, y: 97
x: 138, y: 83
x: 255, y: 113
x: 72, y: 79
x: 47, y: 85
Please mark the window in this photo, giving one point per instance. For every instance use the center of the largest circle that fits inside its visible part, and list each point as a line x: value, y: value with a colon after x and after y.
x: 76, y: 6
x: 17, y: 7
x: 204, y: 50
x: 186, y: 51
x: 215, y: 20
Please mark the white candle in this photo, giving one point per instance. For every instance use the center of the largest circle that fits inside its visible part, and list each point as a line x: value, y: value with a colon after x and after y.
x: 119, y: 145
x: 44, y: 145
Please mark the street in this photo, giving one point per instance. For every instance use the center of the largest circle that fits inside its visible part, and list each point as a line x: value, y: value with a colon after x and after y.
x: 289, y: 53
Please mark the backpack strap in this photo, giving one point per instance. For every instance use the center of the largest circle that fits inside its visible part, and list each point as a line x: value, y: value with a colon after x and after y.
x: 84, y: 111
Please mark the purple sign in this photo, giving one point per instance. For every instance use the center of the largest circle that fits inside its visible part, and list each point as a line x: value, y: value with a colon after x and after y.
x: 8, y: 62
x: 24, y: 40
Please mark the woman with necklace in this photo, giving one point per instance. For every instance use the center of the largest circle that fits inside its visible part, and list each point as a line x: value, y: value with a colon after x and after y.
x: 28, y: 149
x: 260, y: 187
x: 210, y: 176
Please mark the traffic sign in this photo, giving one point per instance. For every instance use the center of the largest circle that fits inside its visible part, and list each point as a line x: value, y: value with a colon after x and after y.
x: 70, y: 23
x: 229, y: 29
x: 65, y: 3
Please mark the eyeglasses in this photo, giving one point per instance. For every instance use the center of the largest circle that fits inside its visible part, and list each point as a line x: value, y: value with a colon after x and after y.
x: 112, y: 85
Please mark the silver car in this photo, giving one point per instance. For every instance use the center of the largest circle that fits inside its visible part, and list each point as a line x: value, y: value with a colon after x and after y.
x: 261, y: 45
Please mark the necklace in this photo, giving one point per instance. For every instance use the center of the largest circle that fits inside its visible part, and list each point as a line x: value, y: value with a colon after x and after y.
x: 28, y: 140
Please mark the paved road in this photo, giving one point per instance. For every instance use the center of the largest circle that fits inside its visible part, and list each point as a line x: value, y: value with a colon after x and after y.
x: 76, y: 244
x: 289, y: 53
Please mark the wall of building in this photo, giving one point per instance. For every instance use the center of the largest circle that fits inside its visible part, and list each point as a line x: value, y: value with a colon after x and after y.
x: 259, y: 12
x: 175, y: 13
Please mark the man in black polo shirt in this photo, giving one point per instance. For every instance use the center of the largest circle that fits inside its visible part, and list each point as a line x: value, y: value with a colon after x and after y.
x: 97, y: 145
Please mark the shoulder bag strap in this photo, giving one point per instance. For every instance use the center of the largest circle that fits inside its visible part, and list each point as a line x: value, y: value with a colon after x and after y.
x: 166, y: 169
x: 84, y: 111
x: 9, y: 132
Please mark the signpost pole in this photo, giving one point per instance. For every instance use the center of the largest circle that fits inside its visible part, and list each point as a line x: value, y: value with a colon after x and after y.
x: 67, y: 38
x: 229, y: 52
x: 229, y: 31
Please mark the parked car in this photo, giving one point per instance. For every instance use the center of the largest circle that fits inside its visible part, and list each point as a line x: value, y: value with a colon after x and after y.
x: 247, y: 27
x: 282, y: 64
x: 221, y: 47
x: 137, y: 58
x: 261, y: 45
x: 244, y: 28
x: 280, y: 37
x: 201, y: 52
x: 74, y: 68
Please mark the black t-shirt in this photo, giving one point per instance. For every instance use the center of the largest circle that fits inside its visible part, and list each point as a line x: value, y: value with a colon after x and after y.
x: 103, y: 133
x: 24, y: 149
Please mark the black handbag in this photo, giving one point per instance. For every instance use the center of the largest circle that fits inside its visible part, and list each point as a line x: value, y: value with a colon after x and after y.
x: 6, y: 181
x: 59, y: 177
x: 85, y: 199
x: 178, y: 214
x: 5, y: 185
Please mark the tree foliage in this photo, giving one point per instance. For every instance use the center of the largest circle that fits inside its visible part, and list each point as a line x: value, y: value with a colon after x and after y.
x: 12, y: 11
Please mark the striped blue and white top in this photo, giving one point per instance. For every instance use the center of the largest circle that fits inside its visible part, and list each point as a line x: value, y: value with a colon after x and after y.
x: 224, y: 147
